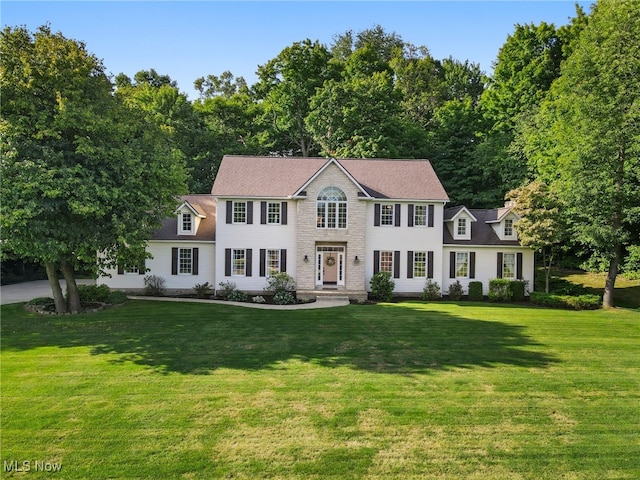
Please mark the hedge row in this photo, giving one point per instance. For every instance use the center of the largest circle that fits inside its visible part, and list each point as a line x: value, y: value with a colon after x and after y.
x: 580, y: 302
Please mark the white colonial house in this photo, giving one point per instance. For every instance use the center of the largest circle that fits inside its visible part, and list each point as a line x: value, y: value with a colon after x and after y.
x: 331, y: 224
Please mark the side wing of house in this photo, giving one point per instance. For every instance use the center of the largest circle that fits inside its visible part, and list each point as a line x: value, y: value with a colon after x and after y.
x: 182, y: 251
x: 481, y: 245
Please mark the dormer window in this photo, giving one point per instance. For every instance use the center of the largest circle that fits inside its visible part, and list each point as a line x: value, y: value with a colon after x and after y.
x: 187, y: 223
x: 461, y: 228
x: 509, y: 231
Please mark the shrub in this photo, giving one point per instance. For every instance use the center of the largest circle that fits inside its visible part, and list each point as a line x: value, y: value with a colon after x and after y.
x: 382, y: 286
x: 202, y: 289
x: 226, y: 288
x: 94, y: 293
x: 116, y: 298
x: 499, y: 290
x: 258, y: 299
x: 40, y: 301
x: 475, y: 291
x: 431, y: 290
x: 280, y: 282
x: 237, y: 296
x: 455, y: 291
x: 517, y: 289
x: 154, y: 285
x: 284, y: 298
x: 580, y: 302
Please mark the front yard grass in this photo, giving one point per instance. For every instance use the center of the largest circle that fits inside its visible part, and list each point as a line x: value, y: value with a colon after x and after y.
x: 409, y: 391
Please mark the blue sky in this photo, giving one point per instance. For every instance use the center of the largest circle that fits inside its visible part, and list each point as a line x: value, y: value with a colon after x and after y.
x: 190, y: 39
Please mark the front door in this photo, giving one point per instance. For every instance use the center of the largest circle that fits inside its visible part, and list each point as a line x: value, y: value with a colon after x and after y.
x: 330, y: 265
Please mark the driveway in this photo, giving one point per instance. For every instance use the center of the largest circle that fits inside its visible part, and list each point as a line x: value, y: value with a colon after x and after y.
x: 23, y: 292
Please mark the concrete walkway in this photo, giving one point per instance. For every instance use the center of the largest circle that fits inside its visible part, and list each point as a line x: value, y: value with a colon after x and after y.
x: 321, y: 302
x: 23, y: 292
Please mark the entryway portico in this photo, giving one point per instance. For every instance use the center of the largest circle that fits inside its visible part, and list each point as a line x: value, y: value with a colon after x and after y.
x: 330, y: 266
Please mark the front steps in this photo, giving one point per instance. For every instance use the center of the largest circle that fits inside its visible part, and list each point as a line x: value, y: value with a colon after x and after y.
x: 334, y: 293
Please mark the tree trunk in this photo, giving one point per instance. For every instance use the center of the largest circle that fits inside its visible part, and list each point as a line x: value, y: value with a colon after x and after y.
x: 73, y: 297
x: 607, y: 298
x: 58, y: 297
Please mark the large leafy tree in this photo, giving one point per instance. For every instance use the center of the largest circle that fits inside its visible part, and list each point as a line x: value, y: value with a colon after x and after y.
x: 81, y: 171
x: 586, y: 138
x: 161, y: 101
x: 287, y: 84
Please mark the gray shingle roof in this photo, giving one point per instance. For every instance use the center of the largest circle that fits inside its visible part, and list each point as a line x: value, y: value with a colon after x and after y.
x: 204, y: 204
x: 481, y: 232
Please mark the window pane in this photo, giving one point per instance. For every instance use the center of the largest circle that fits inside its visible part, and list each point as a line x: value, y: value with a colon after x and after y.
x: 342, y: 215
x: 509, y: 265
x: 462, y: 226
x: 420, y: 216
x: 386, y: 261
x: 420, y: 264
x: 508, y: 228
x: 239, y: 212
x: 184, y: 264
x: 462, y: 264
x: 238, y: 261
x: 273, y: 262
x: 273, y: 212
x: 321, y: 215
x: 186, y: 222
x: 386, y: 215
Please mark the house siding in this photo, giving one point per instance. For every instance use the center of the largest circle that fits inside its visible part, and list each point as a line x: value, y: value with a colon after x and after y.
x: 255, y: 236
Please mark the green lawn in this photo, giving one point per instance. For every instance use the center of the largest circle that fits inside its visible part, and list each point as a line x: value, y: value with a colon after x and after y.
x: 408, y: 391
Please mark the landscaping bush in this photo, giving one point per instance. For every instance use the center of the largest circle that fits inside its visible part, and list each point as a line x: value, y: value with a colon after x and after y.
x: 117, y: 298
x: 475, y: 291
x: 382, y: 286
x: 226, y: 288
x: 154, y: 285
x: 94, y: 293
x: 237, y: 296
x: 280, y: 282
x: 202, y: 289
x: 517, y: 289
x: 431, y: 290
x: 455, y: 291
x: 284, y: 298
x: 580, y: 302
x: 499, y: 290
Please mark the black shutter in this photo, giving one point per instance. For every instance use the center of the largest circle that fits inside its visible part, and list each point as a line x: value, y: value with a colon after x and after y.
x: 194, y: 261
x: 519, y: 266
x: 283, y: 260
x: 227, y: 262
x: 431, y: 210
x: 376, y: 261
x: 499, y: 272
x: 376, y: 215
x: 263, y: 262
x: 174, y: 261
x: 429, y: 264
x: 263, y: 213
x: 472, y: 264
x: 249, y: 213
x: 120, y: 269
x: 410, y: 219
x: 142, y: 269
x: 283, y: 214
x: 396, y: 212
x: 410, y: 262
x: 396, y: 264
x: 229, y: 211
x: 248, y: 261
x: 452, y: 265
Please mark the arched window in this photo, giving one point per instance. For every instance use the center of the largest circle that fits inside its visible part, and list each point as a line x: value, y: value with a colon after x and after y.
x: 331, y: 208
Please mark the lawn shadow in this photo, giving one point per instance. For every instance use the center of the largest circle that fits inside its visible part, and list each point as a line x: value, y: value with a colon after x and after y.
x: 199, y: 339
